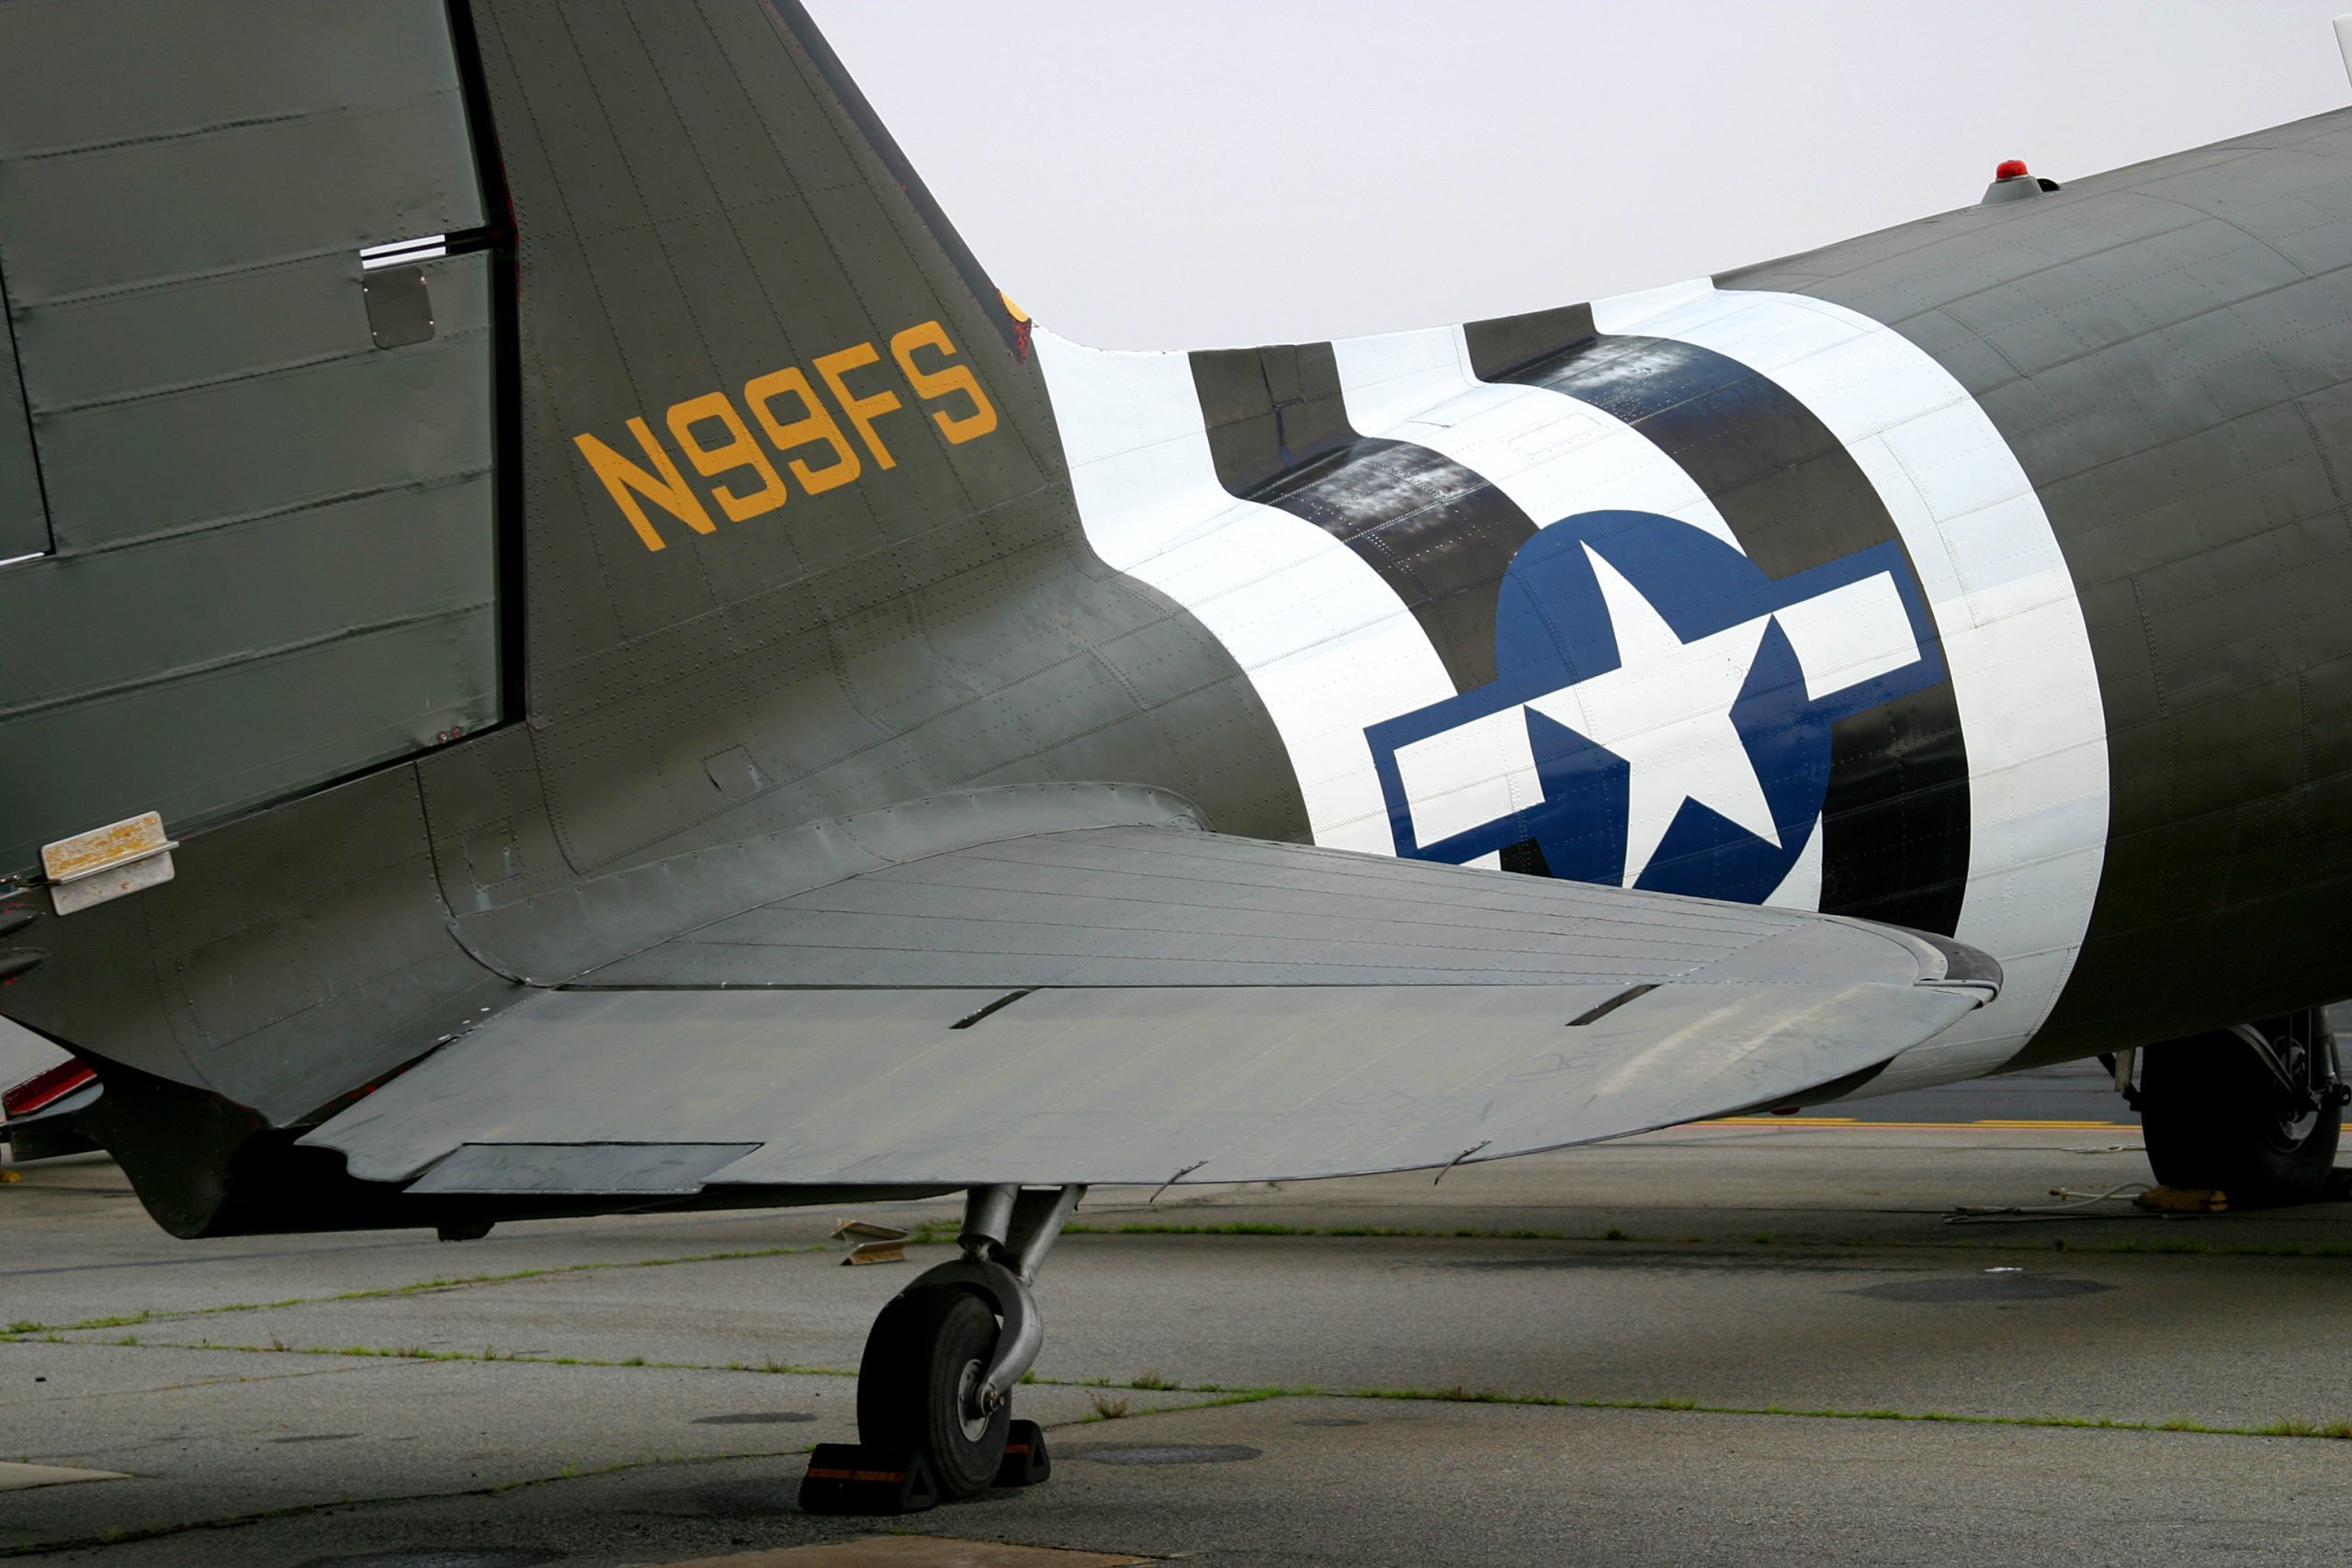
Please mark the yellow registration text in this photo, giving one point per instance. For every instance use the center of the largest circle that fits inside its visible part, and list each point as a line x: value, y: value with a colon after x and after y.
x: 789, y: 430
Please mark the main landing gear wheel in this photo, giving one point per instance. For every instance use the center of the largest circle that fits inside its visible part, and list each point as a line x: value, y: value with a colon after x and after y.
x: 918, y: 1387
x: 2254, y: 1111
x: 934, y: 1388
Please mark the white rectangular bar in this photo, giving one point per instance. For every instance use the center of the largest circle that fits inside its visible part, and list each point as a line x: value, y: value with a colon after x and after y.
x: 1469, y: 776
x: 1849, y: 635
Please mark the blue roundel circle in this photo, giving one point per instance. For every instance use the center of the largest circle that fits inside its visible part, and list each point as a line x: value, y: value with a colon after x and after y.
x: 1674, y: 704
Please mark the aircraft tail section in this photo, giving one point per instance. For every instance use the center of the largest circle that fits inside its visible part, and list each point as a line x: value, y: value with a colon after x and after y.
x: 800, y: 536
x: 759, y: 508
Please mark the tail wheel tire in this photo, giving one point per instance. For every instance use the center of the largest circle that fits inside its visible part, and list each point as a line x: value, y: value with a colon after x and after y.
x: 915, y: 1387
x: 2214, y: 1119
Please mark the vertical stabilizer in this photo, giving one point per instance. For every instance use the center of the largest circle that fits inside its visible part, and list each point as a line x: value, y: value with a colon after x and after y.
x: 800, y: 536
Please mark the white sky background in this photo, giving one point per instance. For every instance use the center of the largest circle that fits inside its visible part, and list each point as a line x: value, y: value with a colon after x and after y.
x: 1165, y: 174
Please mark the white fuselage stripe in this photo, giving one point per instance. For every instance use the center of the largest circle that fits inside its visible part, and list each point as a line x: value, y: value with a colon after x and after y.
x: 1551, y: 454
x: 2004, y: 603
x: 1326, y: 643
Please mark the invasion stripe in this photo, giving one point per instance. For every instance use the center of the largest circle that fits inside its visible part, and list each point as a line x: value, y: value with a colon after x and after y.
x: 2006, y: 607
x: 1436, y: 533
x: 1552, y: 455
x: 1322, y: 637
x: 1895, y: 830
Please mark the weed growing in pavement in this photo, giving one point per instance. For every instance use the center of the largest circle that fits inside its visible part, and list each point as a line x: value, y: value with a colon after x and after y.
x: 54, y: 1332
x: 420, y: 1287
x: 2341, y: 1431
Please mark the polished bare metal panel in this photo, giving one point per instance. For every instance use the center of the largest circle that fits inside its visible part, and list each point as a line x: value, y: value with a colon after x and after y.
x: 1153, y: 1003
x: 1167, y: 905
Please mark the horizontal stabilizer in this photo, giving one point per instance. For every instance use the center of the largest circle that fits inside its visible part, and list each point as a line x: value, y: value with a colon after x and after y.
x: 1147, y: 1003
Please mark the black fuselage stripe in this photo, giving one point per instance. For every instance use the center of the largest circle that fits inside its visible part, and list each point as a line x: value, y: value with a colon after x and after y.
x: 1896, y: 823
x: 1436, y: 533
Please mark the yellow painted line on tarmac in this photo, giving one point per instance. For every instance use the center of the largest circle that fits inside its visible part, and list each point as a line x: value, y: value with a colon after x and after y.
x: 1782, y: 1121
x: 1855, y: 1121
x: 2133, y: 1125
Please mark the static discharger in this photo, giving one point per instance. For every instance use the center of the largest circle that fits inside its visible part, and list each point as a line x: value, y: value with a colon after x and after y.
x: 876, y: 1244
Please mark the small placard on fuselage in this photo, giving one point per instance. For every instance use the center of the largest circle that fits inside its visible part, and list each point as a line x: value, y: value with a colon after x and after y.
x: 107, y: 862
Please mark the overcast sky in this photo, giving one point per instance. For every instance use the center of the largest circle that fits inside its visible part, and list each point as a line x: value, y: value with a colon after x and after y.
x: 1183, y: 172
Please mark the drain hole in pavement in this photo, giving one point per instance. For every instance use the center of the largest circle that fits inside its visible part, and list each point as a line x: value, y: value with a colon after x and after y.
x: 1167, y: 1453
x: 1329, y: 1421
x: 316, y: 1438
x: 756, y: 1418
x: 432, y: 1558
x: 1982, y: 1287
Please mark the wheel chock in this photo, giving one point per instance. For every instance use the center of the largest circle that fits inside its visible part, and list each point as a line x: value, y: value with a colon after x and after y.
x: 846, y: 1478
x: 1026, y: 1461
x: 872, y: 1243
x: 2184, y: 1201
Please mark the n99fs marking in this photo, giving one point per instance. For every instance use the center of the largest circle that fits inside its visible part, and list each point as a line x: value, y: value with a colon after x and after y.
x: 794, y: 423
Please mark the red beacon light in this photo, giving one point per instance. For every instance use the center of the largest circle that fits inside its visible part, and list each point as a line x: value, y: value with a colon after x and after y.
x: 2010, y: 169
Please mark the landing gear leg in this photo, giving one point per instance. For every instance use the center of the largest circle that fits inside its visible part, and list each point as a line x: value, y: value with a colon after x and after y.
x: 2252, y: 1112
x: 935, y: 1390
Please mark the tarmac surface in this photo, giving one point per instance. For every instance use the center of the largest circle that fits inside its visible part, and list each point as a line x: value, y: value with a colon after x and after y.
x: 1756, y: 1341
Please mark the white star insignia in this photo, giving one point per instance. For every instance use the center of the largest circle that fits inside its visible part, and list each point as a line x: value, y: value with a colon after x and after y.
x: 1665, y: 710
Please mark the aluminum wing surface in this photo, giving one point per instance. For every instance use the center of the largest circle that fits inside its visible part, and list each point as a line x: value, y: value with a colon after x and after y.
x: 1143, y: 1002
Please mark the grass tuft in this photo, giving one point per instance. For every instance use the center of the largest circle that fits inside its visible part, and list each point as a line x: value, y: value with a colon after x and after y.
x: 2335, y: 1431
x: 422, y: 1287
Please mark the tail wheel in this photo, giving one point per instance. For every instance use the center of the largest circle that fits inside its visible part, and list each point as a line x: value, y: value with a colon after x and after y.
x: 918, y: 1382
x: 2217, y: 1116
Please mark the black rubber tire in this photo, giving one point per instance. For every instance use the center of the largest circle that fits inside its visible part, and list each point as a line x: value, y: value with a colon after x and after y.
x: 2209, y: 1116
x: 921, y: 1348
